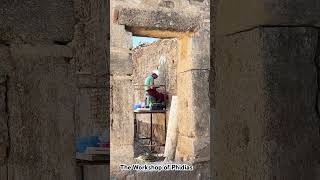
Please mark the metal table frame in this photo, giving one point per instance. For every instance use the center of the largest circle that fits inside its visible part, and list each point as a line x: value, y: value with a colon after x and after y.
x: 136, y: 121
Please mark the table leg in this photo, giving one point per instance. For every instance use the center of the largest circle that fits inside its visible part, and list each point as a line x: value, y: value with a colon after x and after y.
x: 137, y: 122
x: 135, y: 125
x: 151, y: 133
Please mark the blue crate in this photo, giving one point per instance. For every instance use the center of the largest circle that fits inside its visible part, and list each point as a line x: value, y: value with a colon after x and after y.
x: 83, y: 142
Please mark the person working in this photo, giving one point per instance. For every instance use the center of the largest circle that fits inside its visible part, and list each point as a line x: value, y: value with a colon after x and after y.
x: 152, y: 95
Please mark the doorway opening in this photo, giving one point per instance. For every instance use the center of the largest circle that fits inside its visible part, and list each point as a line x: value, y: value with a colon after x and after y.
x: 161, y: 51
x: 148, y: 55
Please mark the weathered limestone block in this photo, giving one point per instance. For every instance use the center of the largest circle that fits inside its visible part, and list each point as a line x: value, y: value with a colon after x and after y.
x: 193, y: 149
x: 185, y: 111
x: 120, y: 154
x: 120, y: 37
x: 120, y: 62
x: 122, y: 125
x: 121, y: 113
x: 88, y: 80
x: 41, y: 107
x: 201, y: 47
x: 194, y: 103
x: 158, y: 19
x: 41, y: 50
x: 201, y: 102
x: 193, y: 116
x: 266, y: 123
x: 234, y: 16
x: 91, y: 112
x: 90, y: 42
x: 37, y: 20
x: 195, y: 50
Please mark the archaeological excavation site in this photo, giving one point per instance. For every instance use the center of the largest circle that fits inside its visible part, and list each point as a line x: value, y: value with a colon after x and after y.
x: 219, y: 89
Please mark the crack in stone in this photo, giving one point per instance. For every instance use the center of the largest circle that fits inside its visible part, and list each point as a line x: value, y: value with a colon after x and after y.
x: 271, y: 26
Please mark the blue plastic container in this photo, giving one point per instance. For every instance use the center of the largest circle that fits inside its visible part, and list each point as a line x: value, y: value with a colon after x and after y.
x: 136, y: 106
x: 83, y: 142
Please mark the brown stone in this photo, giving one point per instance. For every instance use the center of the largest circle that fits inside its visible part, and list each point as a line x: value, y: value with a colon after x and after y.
x: 120, y: 62
x: 234, y: 16
x: 266, y: 122
x: 158, y: 19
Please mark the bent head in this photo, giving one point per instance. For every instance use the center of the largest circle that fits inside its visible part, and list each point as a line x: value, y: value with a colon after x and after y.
x: 155, y: 76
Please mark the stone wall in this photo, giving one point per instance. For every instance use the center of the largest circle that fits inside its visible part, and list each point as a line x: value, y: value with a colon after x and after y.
x: 90, y: 46
x: 145, y: 59
x: 90, y: 58
x: 266, y: 123
x: 42, y: 47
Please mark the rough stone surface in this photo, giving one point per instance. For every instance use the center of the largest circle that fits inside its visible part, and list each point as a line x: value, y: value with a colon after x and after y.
x: 122, y: 116
x: 193, y: 119
x: 158, y: 19
x: 194, y: 100
x: 41, y: 118
x: 96, y: 172
x: 234, y: 16
x: 35, y: 20
x: 201, y: 48
x: 42, y: 45
x: 90, y: 47
x: 266, y: 122
x: 120, y: 62
x: 120, y: 37
x: 121, y: 125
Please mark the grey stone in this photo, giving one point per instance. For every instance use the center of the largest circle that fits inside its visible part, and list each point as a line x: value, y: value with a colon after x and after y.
x: 96, y: 172
x: 266, y: 120
x: 21, y: 50
x: 41, y: 107
x: 234, y: 16
x: 120, y: 62
x: 158, y: 19
x: 35, y: 20
x: 121, y: 114
x: 120, y: 37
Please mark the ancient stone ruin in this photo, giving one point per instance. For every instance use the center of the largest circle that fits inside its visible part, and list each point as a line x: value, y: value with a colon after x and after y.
x: 188, y: 23
x: 53, y: 86
x: 246, y: 74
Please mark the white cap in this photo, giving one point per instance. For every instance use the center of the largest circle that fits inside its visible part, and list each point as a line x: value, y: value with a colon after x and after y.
x: 156, y: 72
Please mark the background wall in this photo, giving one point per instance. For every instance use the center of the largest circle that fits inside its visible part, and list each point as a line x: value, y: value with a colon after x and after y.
x: 145, y: 59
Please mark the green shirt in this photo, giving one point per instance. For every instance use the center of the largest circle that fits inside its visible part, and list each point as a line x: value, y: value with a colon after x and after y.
x: 148, y: 82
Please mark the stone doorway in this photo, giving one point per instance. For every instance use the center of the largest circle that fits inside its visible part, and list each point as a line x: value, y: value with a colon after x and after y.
x: 162, y: 55
x: 192, y: 72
